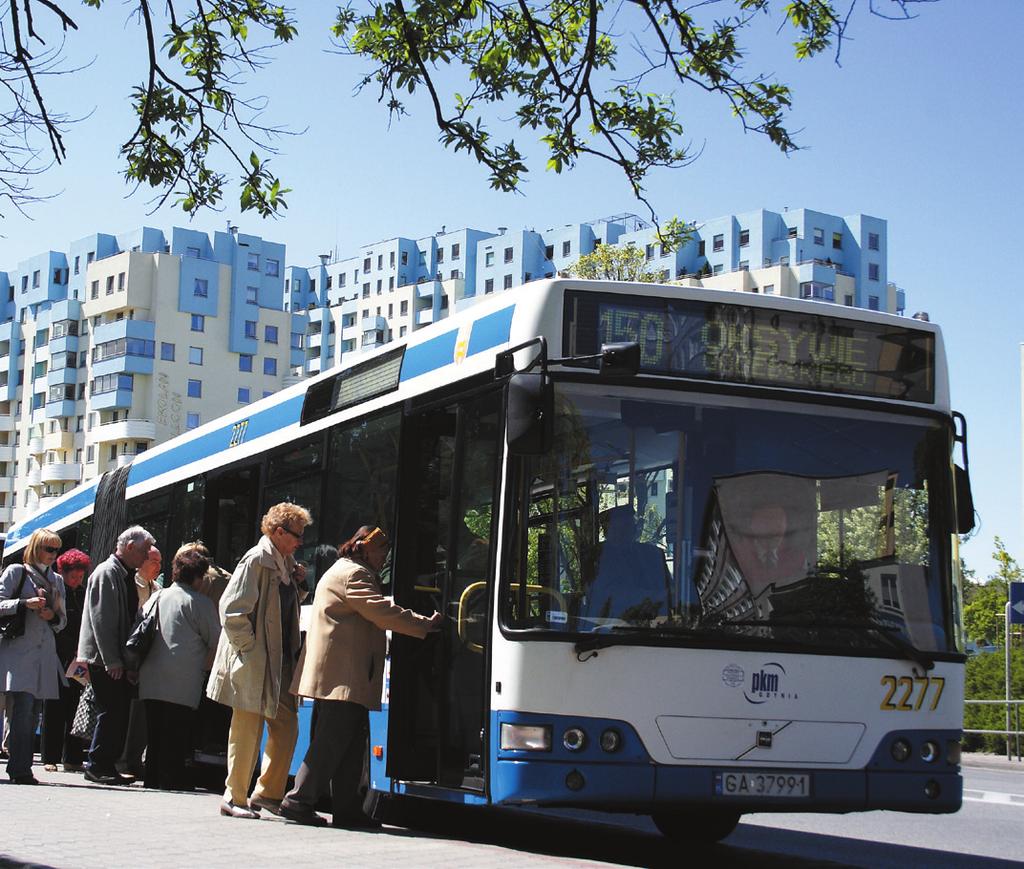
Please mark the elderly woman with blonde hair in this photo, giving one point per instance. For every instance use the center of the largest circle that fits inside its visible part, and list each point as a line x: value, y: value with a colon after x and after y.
x: 255, y: 661
x: 30, y: 670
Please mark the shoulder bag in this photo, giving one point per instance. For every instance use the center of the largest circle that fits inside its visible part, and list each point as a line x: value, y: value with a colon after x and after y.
x: 13, y: 625
x: 140, y: 641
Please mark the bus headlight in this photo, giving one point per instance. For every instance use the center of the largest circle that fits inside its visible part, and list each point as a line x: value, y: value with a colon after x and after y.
x: 525, y: 737
x: 930, y: 752
x: 574, y: 739
x: 900, y: 750
x: 611, y: 740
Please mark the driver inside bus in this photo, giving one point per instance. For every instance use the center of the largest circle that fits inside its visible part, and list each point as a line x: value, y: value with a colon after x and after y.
x: 632, y: 581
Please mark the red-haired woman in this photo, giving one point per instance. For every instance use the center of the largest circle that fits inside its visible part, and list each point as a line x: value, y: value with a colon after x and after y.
x: 58, y: 745
x: 342, y: 668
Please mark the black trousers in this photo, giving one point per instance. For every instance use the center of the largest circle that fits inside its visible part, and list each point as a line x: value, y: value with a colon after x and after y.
x: 169, y: 728
x: 58, y: 715
x: 113, y: 699
x: 334, y: 761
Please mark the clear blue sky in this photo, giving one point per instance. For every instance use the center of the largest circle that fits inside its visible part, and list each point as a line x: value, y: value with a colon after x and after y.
x: 921, y: 126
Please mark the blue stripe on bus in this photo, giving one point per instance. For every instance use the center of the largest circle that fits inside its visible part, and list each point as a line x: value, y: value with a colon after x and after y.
x: 490, y: 331
x: 84, y: 497
x: 268, y: 421
x: 429, y: 356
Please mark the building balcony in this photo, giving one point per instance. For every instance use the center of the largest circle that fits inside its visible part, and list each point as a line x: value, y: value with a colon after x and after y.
x: 125, y: 430
x: 424, y: 317
x: 59, y: 440
x: 314, y: 339
x: 7, y: 453
x: 57, y: 409
x: 6, y: 484
x: 6, y: 515
x: 116, y: 399
x: 47, y: 501
x: 36, y: 446
x: 6, y: 422
x: 61, y: 472
x: 34, y: 477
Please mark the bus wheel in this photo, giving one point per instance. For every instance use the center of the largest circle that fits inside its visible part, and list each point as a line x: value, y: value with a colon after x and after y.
x: 699, y: 825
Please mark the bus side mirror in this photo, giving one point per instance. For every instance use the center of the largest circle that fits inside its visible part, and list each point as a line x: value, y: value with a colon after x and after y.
x: 964, y: 500
x: 621, y: 359
x: 529, y: 413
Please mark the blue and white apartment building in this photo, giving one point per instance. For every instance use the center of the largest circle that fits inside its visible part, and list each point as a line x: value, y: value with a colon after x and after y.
x: 390, y: 288
x: 123, y: 341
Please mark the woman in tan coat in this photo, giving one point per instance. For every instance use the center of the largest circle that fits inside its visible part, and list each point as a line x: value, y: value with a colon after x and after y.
x: 342, y: 668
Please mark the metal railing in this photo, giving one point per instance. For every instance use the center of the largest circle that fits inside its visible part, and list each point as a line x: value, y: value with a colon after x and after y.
x: 1011, y: 735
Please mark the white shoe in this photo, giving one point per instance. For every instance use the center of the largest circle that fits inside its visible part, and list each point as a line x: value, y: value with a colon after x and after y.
x: 232, y: 810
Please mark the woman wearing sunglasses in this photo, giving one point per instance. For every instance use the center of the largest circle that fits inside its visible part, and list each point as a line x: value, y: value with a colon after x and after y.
x: 30, y: 669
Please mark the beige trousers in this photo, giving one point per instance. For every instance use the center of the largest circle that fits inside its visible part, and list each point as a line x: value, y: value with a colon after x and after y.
x: 243, y: 752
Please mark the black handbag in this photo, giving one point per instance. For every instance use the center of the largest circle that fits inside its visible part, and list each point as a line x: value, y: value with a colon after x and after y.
x: 140, y: 641
x: 13, y: 625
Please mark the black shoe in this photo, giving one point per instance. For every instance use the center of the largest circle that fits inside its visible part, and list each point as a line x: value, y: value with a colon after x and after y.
x: 106, y: 778
x: 27, y: 779
x: 302, y: 816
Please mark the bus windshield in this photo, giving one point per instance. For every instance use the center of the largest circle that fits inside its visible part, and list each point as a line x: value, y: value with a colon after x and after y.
x: 657, y: 516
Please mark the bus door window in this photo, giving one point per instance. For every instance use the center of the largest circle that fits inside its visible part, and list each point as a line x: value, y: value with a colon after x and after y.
x: 231, y: 525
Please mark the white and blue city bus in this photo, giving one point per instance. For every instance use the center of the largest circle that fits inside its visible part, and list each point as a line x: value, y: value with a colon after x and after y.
x: 697, y: 549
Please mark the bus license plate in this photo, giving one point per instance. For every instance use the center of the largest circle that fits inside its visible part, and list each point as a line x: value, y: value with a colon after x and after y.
x: 762, y: 784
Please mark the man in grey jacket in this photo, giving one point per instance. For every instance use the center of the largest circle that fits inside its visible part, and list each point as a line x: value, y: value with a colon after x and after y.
x: 111, y: 602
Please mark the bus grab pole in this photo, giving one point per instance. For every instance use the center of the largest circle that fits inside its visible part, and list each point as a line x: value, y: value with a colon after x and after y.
x: 1009, y: 739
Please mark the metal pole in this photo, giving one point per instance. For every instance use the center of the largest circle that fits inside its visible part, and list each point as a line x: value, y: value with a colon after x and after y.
x: 1009, y: 743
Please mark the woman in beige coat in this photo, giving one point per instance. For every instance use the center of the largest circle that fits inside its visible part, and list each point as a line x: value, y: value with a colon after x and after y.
x: 255, y: 660
x: 342, y: 668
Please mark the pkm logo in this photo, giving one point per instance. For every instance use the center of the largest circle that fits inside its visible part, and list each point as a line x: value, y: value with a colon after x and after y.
x: 768, y: 683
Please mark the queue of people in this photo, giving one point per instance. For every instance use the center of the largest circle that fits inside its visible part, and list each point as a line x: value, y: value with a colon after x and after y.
x: 235, y: 641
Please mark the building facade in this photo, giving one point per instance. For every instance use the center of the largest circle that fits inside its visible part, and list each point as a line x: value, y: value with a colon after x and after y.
x: 388, y: 289
x: 123, y: 342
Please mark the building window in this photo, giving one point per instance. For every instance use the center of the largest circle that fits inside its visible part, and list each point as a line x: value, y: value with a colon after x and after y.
x: 201, y: 288
x: 195, y: 355
x: 405, y: 258
x: 90, y: 453
x: 819, y: 235
x: 872, y: 241
x: 848, y: 301
x: 873, y: 303
x: 718, y: 242
x: 192, y: 420
x: 507, y: 283
x: 253, y: 262
x: 768, y: 289
x: 489, y: 285
x: 250, y: 328
x: 508, y: 254
x: 700, y: 248
x: 837, y: 241
x: 440, y: 254
x: 270, y: 334
x: 718, y: 269
x: 192, y: 251
x: 456, y: 251
x: 110, y: 285
x: 251, y: 295
x: 367, y: 263
x: 744, y: 237
x: 243, y: 394
x: 366, y: 290
x: 195, y: 389
x: 269, y: 365
x: 566, y: 248
x: 273, y: 268
x: 198, y: 323
x: 872, y: 271
x: 244, y: 362
x: 649, y: 252
x: 76, y: 264
x: 401, y: 331
x: 790, y: 232
x: 166, y: 352
x: 404, y: 309
x: 35, y: 279
x: 120, y: 281
x: 391, y: 282
x: 380, y: 286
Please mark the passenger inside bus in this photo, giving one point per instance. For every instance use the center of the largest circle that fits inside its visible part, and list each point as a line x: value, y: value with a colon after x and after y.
x: 632, y: 582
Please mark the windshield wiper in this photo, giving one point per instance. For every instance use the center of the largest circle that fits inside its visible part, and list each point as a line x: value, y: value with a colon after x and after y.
x: 885, y: 632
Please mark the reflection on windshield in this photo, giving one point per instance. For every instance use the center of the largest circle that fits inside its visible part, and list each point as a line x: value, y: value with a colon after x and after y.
x: 669, y: 517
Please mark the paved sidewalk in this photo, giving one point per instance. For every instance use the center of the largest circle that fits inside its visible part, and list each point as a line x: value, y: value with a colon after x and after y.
x: 69, y: 823
x: 991, y: 761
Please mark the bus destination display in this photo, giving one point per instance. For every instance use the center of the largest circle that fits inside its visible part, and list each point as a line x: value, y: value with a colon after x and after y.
x: 760, y: 346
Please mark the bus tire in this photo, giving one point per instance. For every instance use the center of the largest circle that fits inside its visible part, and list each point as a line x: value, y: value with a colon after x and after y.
x: 699, y: 825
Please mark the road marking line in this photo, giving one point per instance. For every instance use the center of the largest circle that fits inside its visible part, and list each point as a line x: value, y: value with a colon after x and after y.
x: 993, y: 797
